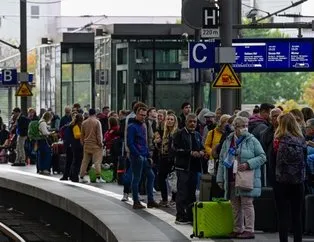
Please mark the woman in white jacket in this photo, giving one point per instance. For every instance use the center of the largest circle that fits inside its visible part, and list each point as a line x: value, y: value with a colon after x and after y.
x: 45, y: 153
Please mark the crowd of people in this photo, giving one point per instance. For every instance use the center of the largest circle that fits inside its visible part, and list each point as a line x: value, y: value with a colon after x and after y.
x: 167, y: 152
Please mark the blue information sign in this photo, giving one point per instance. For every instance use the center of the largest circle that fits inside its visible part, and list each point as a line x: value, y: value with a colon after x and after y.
x: 11, y: 77
x: 201, y: 54
x: 277, y: 55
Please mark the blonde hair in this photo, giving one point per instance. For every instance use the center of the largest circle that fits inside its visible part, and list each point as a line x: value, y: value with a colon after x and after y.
x: 223, y: 119
x: 47, y: 116
x: 287, y: 124
x: 168, y: 130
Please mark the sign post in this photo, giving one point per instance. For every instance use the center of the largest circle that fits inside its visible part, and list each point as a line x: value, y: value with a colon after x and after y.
x: 210, y: 25
x: 227, y: 78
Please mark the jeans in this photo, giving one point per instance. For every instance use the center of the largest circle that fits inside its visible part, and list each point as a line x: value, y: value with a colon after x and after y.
x: 293, y: 195
x: 243, y: 211
x: 127, y: 179
x: 45, y: 156
x: 185, y: 197
x: 20, y: 149
x: 138, y: 165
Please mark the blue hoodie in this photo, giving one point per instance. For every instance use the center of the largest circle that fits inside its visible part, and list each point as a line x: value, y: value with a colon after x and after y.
x: 137, y: 139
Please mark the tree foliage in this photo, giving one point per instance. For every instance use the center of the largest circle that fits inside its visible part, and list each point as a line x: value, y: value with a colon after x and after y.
x: 271, y: 86
x: 308, y: 91
x: 288, y: 105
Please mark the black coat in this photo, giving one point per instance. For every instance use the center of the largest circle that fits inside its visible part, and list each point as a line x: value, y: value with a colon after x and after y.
x: 22, y: 125
x: 184, y: 142
x: 267, y: 139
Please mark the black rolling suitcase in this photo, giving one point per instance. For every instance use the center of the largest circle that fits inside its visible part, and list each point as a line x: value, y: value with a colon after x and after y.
x: 209, y: 188
x: 309, y: 212
x: 265, y: 211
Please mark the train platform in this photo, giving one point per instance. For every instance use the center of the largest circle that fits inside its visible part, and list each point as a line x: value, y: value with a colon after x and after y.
x: 101, y: 208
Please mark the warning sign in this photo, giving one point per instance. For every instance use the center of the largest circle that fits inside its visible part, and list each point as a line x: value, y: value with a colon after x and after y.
x: 24, y: 90
x: 227, y: 78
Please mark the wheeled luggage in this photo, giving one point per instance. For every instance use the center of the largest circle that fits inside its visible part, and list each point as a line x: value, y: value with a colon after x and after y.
x: 309, y: 211
x: 265, y: 221
x: 212, y: 219
x: 209, y: 188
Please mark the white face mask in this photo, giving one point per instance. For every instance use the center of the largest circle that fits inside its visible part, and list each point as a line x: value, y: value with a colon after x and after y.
x: 243, y: 131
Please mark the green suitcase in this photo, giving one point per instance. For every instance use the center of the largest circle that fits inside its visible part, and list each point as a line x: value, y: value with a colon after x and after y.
x: 212, y: 219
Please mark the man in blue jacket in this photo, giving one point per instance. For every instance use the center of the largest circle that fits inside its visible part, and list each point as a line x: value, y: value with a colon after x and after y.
x: 139, y: 157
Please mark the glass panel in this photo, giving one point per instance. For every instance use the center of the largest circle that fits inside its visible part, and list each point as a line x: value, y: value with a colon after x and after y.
x: 122, y: 56
x: 82, y: 84
x: 121, y: 78
x: 168, y: 76
x: 66, y: 85
x: 144, y: 56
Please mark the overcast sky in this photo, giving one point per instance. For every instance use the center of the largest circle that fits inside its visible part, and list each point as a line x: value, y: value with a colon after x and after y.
x: 137, y: 7
x: 122, y: 7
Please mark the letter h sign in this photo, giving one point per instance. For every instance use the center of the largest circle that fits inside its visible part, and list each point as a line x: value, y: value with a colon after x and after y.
x: 210, y: 18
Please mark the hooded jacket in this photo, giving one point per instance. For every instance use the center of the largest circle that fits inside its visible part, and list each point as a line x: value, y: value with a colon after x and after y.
x: 257, y: 125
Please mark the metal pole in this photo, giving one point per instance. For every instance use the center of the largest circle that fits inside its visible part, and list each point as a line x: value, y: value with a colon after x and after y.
x: 154, y: 73
x: 227, y: 100
x: 23, y: 47
x: 197, y: 77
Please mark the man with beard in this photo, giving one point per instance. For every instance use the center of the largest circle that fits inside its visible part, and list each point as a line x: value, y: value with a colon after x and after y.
x: 210, y: 119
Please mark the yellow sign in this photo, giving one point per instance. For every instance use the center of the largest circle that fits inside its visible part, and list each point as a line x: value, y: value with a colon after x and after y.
x: 227, y: 78
x: 24, y: 90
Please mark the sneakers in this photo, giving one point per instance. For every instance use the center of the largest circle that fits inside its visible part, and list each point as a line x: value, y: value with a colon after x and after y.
x: 152, y: 204
x: 182, y: 221
x: 83, y: 180
x: 138, y: 205
x: 46, y: 172
x: 164, y: 204
x: 246, y: 235
x: 100, y: 180
x: 125, y: 197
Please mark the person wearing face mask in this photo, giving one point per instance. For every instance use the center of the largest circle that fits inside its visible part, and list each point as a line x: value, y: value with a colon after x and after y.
x: 241, y: 151
x: 214, y: 136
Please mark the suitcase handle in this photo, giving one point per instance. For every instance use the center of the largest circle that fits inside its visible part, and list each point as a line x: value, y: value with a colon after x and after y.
x: 216, y: 199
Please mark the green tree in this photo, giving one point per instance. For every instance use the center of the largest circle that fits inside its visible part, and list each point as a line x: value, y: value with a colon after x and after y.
x: 271, y: 86
x: 308, y: 91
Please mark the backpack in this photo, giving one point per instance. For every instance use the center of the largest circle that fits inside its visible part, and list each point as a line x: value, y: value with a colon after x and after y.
x: 291, y: 160
x: 33, y: 130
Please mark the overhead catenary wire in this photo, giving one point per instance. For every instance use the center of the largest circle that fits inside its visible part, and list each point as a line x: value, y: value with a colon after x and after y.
x: 260, y: 10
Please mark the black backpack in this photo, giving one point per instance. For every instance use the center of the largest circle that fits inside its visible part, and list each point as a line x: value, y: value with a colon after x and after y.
x: 291, y: 160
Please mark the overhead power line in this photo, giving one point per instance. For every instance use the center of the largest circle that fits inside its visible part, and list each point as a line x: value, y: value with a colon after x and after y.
x: 260, y: 10
x: 290, y: 15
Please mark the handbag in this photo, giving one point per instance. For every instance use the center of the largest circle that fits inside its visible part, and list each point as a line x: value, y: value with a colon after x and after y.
x: 244, y: 180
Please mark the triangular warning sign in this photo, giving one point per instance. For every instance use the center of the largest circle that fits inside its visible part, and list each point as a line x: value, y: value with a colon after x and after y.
x: 227, y: 78
x: 24, y: 90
